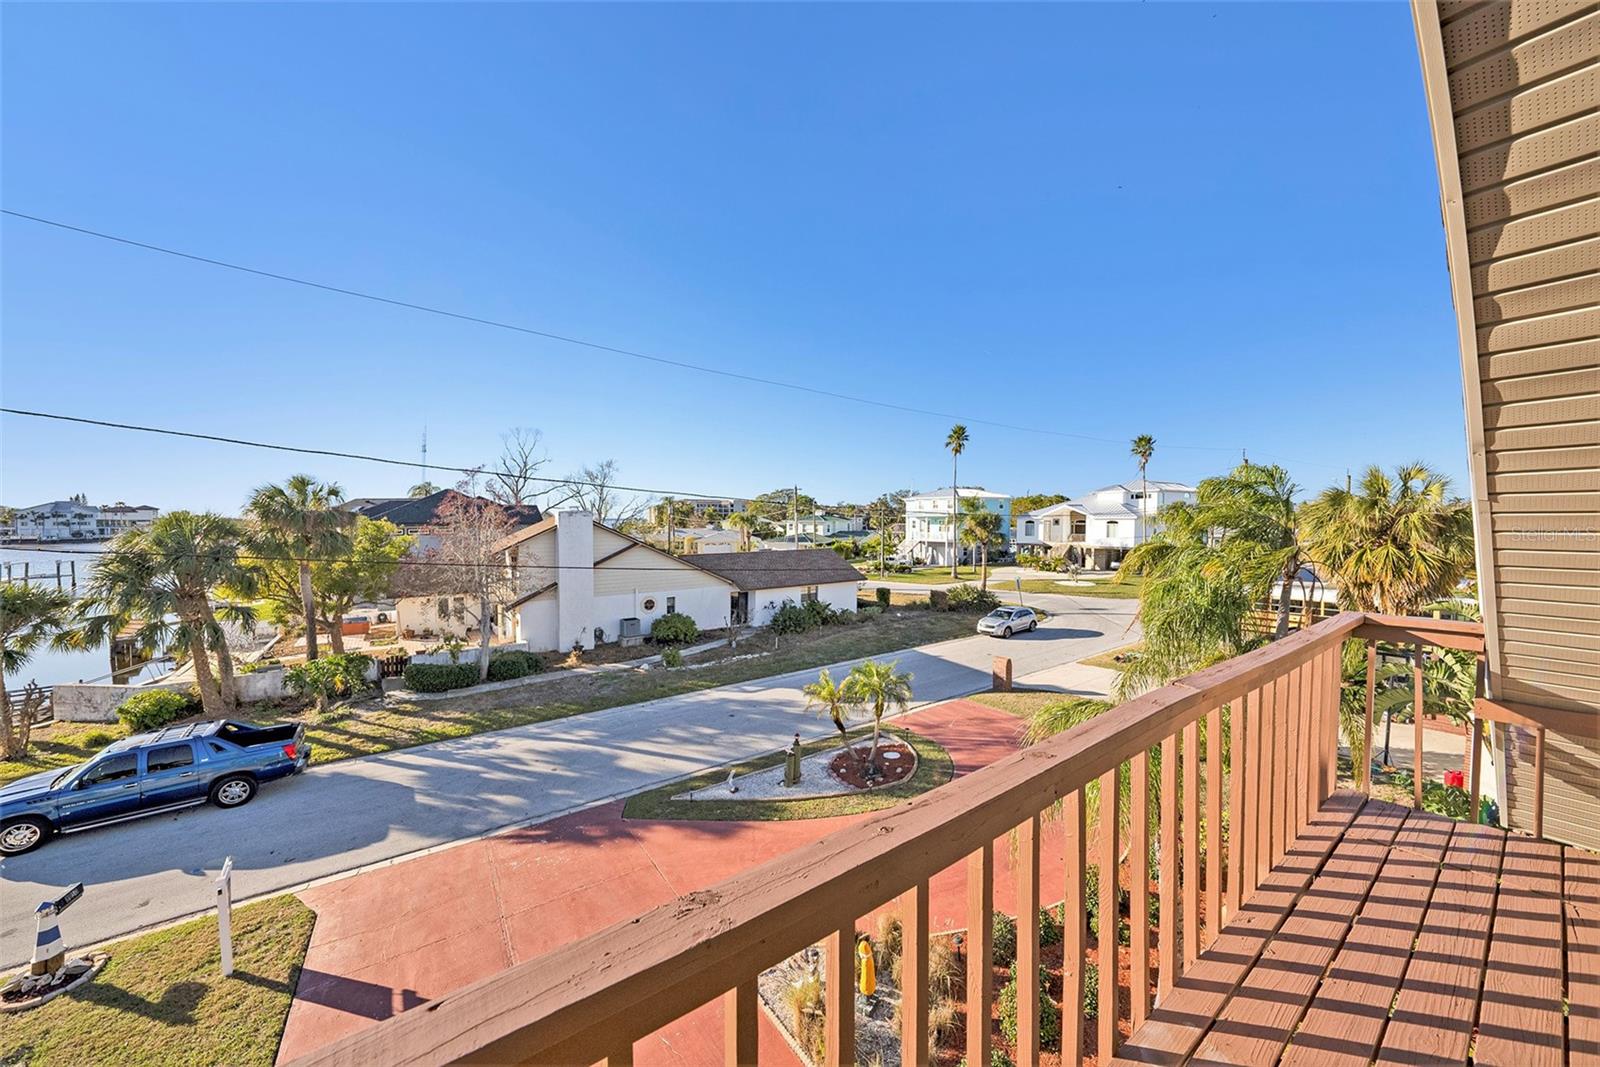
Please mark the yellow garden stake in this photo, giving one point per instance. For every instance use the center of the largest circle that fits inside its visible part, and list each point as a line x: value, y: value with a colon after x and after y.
x: 867, y: 977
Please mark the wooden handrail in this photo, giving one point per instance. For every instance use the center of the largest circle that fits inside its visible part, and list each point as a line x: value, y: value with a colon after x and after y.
x: 574, y: 1004
x: 1413, y: 630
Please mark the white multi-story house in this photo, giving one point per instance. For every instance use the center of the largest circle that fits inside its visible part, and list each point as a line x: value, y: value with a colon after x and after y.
x: 930, y: 535
x: 74, y: 520
x: 819, y: 527
x: 1097, y: 529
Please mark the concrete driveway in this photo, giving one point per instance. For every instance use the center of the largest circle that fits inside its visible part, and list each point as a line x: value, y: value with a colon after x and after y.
x: 356, y: 813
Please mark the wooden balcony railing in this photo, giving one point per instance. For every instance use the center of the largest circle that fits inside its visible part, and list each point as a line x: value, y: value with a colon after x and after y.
x: 1248, y: 751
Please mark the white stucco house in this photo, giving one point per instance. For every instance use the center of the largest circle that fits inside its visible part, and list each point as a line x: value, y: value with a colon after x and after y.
x: 74, y: 520
x: 1097, y: 529
x: 820, y: 526
x: 931, y: 536
x: 582, y: 582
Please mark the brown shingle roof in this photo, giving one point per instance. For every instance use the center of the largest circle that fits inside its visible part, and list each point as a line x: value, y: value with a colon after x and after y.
x: 774, y: 569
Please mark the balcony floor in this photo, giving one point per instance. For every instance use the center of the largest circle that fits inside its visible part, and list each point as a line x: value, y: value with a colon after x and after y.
x: 1402, y: 937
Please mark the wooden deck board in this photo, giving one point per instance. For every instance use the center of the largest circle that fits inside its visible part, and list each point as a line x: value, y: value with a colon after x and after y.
x: 1181, y: 1020
x: 1256, y: 1024
x: 1434, y: 1012
x: 1519, y: 1018
x: 1347, y: 1017
x: 1581, y: 894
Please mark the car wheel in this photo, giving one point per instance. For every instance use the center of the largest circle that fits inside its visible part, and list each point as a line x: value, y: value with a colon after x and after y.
x: 1006, y: 632
x: 1032, y: 626
x: 233, y: 791
x: 23, y: 835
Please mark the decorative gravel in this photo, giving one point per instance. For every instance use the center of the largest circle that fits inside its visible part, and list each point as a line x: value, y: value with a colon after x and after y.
x: 767, y: 784
x: 877, y: 1028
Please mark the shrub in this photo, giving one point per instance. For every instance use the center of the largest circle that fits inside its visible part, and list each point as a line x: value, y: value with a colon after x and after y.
x: 943, y: 1019
x: 882, y: 594
x: 1003, y: 932
x: 1091, y: 991
x: 790, y: 618
x: 1049, y: 1014
x: 889, y: 946
x: 258, y: 665
x: 997, y: 1058
x: 938, y: 600
x: 872, y: 611
x: 818, y: 612
x: 845, y: 618
x: 504, y: 666
x: 330, y: 677
x: 153, y: 709
x: 1050, y: 927
x: 968, y: 597
x: 673, y: 629
x: 672, y: 658
x: 440, y: 677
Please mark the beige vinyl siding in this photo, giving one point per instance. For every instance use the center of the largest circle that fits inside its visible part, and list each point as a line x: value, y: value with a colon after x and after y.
x: 607, y: 541
x: 645, y: 571
x: 536, y: 561
x: 1512, y: 88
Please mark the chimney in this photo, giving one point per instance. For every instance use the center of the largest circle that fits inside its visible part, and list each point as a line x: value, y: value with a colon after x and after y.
x: 575, y: 599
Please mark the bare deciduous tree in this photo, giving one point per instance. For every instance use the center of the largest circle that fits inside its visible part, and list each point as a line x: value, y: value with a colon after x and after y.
x: 594, y: 489
x: 467, y: 563
x: 514, y: 479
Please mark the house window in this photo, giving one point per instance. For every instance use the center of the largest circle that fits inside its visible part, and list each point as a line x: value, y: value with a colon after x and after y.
x: 672, y: 605
x: 444, y: 607
x: 1111, y: 528
x: 808, y: 595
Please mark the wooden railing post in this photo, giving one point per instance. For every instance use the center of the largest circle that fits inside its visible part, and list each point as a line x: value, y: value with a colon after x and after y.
x: 739, y: 1025
x: 914, y: 974
x: 1416, y: 719
x: 1074, y: 931
x: 1191, y: 843
x: 1237, y: 768
x: 1167, y: 884
x: 1294, y: 742
x: 1106, y: 942
x: 1366, y: 726
x: 1538, y: 782
x: 1475, y: 768
x: 980, y: 951
x: 1213, y: 825
x: 839, y: 997
x: 1027, y: 970
x: 1139, y: 888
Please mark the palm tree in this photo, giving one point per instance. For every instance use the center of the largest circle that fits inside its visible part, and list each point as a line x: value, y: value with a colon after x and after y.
x: 833, y: 699
x: 980, y: 528
x: 1143, y: 447
x: 879, y: 685
x: 161, y: 576
x: 745, y: 523
x: 422, y: 489
x: 301, y: 518
x: 956, y: 441
x: 1393, y: 544
x: 1254, y: 508
x: 31, y: 618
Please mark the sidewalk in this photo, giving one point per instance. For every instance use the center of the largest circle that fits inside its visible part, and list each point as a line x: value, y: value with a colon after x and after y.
x: 391, y: 939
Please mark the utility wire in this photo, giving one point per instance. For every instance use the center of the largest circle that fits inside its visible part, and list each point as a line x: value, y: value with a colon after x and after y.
x: 570, y: 340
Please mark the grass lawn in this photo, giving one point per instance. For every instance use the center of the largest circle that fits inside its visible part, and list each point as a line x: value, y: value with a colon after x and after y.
x: 367, y: 728
x: 1021, y: 702
x: 162, y: 1000
x: 923, y: 575
x: 934, y: 768
x: 1127, y: 589
x: 1108, y: 659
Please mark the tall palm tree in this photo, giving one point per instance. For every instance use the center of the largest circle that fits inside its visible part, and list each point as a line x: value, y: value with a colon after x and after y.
x: 879, y: 685
x: 422, y: 489
x: 745, y: 523
x: 833, y: 699
x: 162, y: 576
x: 1254, y: 507
x: 32, y: 617
x: 980, y: 528
x: 1393, y: 543
x: 956, y: 441
x: 301, y: 518
x: 1143, y: 447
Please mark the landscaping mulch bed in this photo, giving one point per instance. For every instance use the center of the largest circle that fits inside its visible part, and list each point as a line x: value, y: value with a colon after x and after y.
x: 895, y: 762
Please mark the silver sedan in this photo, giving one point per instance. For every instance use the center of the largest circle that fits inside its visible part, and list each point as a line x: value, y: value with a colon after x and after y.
x: 1003, y: 622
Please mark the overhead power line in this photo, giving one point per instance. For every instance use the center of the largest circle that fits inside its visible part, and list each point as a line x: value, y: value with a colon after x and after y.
x: 581, y: 342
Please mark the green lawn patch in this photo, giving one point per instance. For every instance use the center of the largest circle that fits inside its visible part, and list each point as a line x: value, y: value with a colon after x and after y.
x: 922, y: 575
x: 1127, y: 589
x: 1108, y: 660
x: 1021, y: 702
x: 934, y: 768
x: 368, y: 729
x: 162, y: 1000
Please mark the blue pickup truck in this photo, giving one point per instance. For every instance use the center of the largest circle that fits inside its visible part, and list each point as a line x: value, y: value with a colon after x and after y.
x: 147, y: 774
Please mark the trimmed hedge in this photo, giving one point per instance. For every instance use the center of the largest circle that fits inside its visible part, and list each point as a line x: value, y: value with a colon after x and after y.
x: 505, y: 666
x: 1049, y: 1014
x: 441, y: 677
x: 674, y: 629
x: 154, y: 709
x: 882, y: 594
x: 967, y: 597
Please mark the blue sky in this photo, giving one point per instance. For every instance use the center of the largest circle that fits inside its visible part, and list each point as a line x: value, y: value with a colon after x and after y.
x: 1214, y: 224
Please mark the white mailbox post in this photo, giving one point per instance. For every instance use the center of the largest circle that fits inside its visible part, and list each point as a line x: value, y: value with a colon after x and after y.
x: 225, y: 915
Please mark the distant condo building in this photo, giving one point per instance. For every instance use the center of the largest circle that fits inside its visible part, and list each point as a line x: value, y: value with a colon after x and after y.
x: 75, y: 520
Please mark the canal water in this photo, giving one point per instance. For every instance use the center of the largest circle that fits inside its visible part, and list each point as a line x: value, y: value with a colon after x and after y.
x: 48, y: 666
